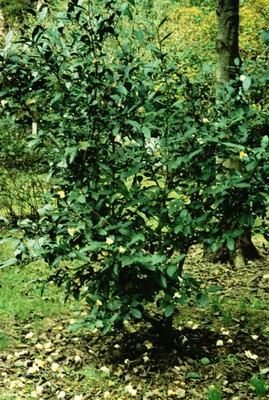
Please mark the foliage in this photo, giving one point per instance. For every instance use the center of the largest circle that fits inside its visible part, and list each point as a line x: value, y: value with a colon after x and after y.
x: 21, y: 181
x: 258, y: 385
x: 15, y: 11
x: 15, y: 152
x: 214, y: 393
x: 138, y: 152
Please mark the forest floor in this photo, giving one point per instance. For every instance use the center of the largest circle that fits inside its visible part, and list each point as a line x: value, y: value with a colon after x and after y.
x: 223, y: 351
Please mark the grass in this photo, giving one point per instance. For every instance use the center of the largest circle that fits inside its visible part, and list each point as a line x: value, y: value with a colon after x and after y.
x: 21, y: 193
x: 3, y: 340
x: 214, y: 393
x: 21, y: 297
x: 21, y: 301
x: 258, y: 385
x: 250, y: 311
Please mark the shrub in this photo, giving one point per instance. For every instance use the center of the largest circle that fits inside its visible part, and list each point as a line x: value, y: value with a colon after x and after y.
x: 137, y: 151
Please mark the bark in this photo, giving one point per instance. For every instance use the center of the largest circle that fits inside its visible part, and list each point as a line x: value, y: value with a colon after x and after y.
x: 227, y: 39
x: 227, y: 46
x: 244, y: 250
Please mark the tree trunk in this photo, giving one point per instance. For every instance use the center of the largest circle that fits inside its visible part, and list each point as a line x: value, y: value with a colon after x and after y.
x: 244, y: 250
x: 227, y: 39
x: 227, y: 47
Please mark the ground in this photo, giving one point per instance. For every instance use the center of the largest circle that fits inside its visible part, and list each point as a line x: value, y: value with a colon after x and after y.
x: 220, y: 348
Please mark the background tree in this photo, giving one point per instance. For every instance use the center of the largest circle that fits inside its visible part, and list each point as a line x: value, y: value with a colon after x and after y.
x: 16, y: 12
x: 227, y: 41
x: 228, y: 71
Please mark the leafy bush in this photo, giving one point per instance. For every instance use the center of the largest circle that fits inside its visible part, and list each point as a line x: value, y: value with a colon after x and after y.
x: 139, y: 153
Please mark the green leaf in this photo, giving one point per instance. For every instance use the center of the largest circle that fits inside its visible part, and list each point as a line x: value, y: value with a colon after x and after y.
x: 94, y: 246
x: 114, y: 305
x: 34, y: 142
x: 178, y: 229
x: 163, y: 281
x: 214, y: 289
x: 71, y: 152
x: 193, y: 375
x: 236, y: 232
x: 264, y: 371
x: 129, y: 260
x: 233, y: 145
x: 139, y: 35
x: 230, y: 244
x: 3, y: 219
x: 166, y: 37
x: 95, y: 195
x: 265, y: 36
x: 184, y: 213
x: 264, y: 77
x: 125, y: 10
x: 37, y: 32
x: 42, y: 14
x: 171, y: 269
x: 242, y: 185
x: 146, y: 131
x: 139, y: 237
x: 157, y: 258
x: 237, y: 61
x: 205, y: 361
x: 178, y: 258
x: 134, y: 124
x: 122, y: 90
x: 201, y: 300
x: 136, y: 313
x: 206, y: 68
x: 246, y: 83
x: 169, y: 310
x: 81, y: 199
x: 152, y: 66
x: 9, y: 37
x: 264, y: 142
x: 7, y: 263
x: 55, y: 98
x: 106, y: 329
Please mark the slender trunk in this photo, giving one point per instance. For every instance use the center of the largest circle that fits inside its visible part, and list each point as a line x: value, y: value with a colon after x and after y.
x: 227, y: 47
x: 227, y: 39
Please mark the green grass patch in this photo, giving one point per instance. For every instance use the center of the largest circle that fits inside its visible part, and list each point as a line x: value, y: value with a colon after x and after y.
x: 22, y: 302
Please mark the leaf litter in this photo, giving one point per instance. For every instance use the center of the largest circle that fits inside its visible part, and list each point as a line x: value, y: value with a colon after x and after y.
x: 225, y: 344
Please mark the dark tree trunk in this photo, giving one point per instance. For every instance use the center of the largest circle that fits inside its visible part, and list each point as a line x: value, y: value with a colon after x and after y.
x: 227, y: 39
x: 227, y: 47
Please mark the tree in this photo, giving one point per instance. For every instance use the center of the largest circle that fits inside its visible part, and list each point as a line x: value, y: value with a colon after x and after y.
x: 228, y: 69
x: 227, y: 40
